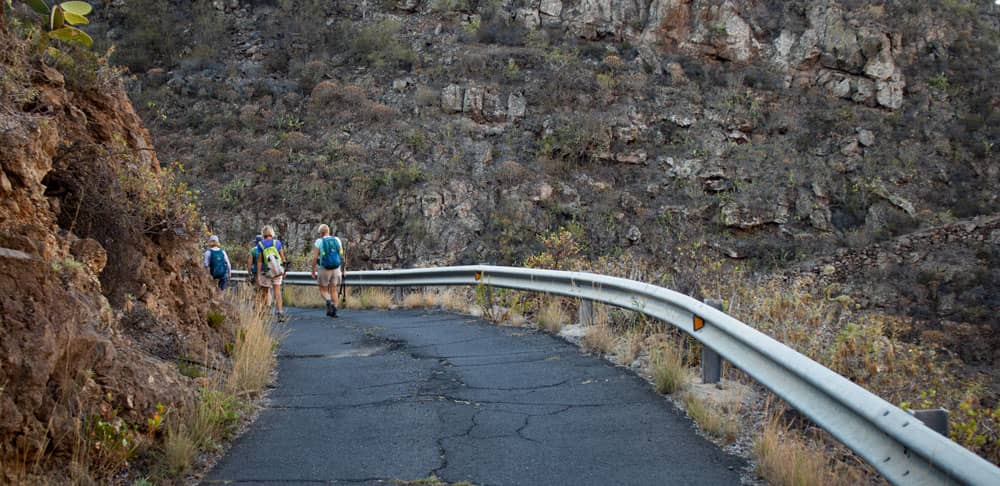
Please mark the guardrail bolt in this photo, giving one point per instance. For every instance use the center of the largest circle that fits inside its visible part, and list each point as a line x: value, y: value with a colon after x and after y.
x: 585, y: 314
x: 936, y: 419
x: 711, y: 362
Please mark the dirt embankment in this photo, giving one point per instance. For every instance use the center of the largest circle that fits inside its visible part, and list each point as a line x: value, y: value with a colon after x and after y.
x: 101, y: 290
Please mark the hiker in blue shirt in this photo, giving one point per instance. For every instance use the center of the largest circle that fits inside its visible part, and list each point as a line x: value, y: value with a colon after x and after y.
x: 328, y: 267
x: 217, y: 262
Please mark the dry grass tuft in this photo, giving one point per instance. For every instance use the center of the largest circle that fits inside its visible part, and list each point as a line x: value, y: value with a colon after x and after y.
x: 786, y: 460
x: 599, y: 338
x: 306, y: 296
x: 552, y: 317
x: 421, y: 299
x: 632, y: 346
x: 257, y: 339
x: 368, y: 298
x: 718, y: 421
x: 455, y: 300
x: 179, y: 450
x: 669, y: 368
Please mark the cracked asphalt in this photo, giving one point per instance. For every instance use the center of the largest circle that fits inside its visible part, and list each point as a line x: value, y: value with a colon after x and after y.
x: 374, y: 397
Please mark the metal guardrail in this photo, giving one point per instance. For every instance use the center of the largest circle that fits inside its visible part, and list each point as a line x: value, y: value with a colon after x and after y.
x: 898, y: 445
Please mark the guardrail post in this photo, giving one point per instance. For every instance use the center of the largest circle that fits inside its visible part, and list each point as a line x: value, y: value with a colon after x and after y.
x: 936, y: 419
x: 711, y: 362
x: 397, y: 294
x: 585, y: 314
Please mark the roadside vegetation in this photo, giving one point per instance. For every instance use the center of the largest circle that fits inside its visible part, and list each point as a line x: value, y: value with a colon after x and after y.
x: 866, y: 347
x: 225, y: 396
x: 166, y: 446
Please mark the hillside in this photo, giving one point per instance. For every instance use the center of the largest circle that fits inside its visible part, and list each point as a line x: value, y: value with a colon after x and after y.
x: 101, y: 288
x: 771, y: 135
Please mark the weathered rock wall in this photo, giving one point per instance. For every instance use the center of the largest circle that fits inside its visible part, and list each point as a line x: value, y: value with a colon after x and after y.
x: 67, y: 352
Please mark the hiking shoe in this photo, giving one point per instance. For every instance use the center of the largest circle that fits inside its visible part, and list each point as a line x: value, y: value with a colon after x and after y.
x: 330, y: 310
x: 333, y: 312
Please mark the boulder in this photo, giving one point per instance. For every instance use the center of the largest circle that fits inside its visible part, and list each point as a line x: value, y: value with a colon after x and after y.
x: 552, y: 8
x: 452, y: 98
x: 517, y: 105
x: 472, y: 103
x: 89, y: 252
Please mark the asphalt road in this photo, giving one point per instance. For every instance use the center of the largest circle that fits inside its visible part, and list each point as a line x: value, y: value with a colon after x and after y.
x: 374, y: 397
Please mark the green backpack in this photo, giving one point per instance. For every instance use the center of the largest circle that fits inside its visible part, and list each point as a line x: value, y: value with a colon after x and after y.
x: 272, y: 259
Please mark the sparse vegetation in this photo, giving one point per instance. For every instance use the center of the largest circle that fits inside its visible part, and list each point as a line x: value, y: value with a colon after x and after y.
x: 257, y: 337
x: 420, y: 299
x: 306, y: 296
x: 720, y: 422
x: 786, y: 460
x: 368, y: 298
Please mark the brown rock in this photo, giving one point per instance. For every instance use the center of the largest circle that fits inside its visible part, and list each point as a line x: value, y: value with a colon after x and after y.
x: 90, y: 253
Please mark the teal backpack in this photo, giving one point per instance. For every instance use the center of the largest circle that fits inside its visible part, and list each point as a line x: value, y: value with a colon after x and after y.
x: 217, y: 263
x: 255, y: 253
x: 330, y: 253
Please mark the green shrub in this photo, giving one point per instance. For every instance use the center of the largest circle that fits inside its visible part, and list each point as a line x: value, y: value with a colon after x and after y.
x: 216, y: 319
x: 379, y: 45
x: 189, y: 369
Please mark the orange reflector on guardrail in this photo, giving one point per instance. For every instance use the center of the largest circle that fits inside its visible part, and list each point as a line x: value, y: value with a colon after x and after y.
x: 479, y: 275
x: 698, y: 323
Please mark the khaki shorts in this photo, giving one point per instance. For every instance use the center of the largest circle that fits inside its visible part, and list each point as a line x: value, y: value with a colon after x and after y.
x: 270, y: 282
x: 329, y: 278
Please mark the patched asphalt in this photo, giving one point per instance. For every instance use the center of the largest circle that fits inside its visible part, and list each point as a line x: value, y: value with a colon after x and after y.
x: 378, y: 396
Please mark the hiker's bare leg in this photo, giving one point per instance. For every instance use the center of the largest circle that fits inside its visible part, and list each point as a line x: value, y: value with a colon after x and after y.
x: 277, y: 297
x: 334, y: 295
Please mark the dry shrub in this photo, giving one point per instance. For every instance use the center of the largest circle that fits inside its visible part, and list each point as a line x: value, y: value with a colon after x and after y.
x: 784, y: 459
x: 305, y: 296
x: 668, y: 367
x: 599, y: 338
x: 179, y: 450
x: 426, y: 96
x: 368, y: 298
x: 552, y: 317
x: 297, y: 141
x: 632, y: 345
x: 332, y: 100
x: 273, y: 156
x: 257, y: 338
x: 375, y: 112
x: 719, y: 421
x: 510, y: 172
x: 455, y: 300
x: 421, y: 299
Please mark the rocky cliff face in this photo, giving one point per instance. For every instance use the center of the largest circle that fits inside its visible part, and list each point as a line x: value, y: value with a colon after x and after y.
x: 435, y: 132
x: 93, y: 315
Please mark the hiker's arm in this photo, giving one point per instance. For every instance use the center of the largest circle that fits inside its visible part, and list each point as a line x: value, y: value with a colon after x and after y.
x: 229, y: 266
x: 284, y: 261
x: 315, y: 258
x: 260, y: 274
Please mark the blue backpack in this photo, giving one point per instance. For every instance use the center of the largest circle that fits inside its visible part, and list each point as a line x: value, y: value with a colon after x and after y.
x: 330, y: 253
x: 217, y: 263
